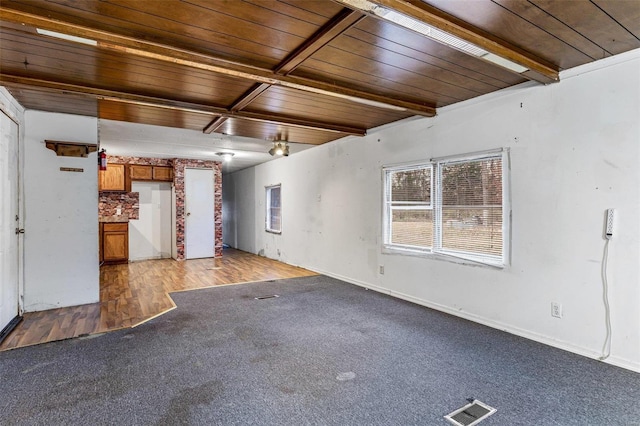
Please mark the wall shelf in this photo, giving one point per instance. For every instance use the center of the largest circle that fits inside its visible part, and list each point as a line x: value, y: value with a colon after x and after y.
x: 71, y: 149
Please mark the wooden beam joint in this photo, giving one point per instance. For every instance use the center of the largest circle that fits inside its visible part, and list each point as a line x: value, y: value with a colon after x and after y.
x: 214, y: 125
x: 340, y: 23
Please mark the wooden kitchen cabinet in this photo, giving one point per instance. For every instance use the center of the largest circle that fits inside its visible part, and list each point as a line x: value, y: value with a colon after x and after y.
x: 153, y: 173
x: 112, y: 179
x: 114, y: 243
x: 137, y: 172
x: 163, y: 173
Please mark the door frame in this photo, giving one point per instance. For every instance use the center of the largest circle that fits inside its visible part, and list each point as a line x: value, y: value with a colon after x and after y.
x: 186, y: 203
x: 171, y: 227
x: 20, y: 206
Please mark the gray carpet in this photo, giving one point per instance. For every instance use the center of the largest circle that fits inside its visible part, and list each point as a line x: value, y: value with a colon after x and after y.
x: 323, y: 353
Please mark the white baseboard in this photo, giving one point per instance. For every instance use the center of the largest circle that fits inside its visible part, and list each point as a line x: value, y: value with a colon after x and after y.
x: 613, y: 360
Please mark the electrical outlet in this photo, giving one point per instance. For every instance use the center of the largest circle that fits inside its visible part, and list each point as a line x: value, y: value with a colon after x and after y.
x: 118, y: 211
x: 381, y: 270
x: 556, y: 309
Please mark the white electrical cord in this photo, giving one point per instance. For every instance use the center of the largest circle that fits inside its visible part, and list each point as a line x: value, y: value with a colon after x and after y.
x: 606, y: 348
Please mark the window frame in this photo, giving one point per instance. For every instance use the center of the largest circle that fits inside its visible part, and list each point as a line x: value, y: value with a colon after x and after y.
x: 436, y: 251
x: 388, y: 205
x: 268, y: 208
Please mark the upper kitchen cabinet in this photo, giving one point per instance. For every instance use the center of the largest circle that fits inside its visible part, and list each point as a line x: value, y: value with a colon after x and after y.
x: 113, y: 179
x: 144, y: 172
x: 163, y: 173
x: 137, y: 172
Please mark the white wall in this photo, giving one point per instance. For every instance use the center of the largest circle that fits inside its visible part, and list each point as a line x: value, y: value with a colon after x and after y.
x: 150, y: 235
x: 574, y: 153
x: 248, y: 214
x: 228, y: 212
x: 61, y: 214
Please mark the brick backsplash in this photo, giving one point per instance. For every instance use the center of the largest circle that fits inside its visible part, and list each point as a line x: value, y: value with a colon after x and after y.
x: 129, y: 202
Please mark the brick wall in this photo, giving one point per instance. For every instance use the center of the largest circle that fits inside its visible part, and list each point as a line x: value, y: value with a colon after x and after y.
x: 129, y: 203
x: 140, y: 161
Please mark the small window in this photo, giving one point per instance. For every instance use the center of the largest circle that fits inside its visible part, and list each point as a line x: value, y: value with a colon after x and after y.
x: 453, y: 206
x: 409, y: 208
x: 274, y: 209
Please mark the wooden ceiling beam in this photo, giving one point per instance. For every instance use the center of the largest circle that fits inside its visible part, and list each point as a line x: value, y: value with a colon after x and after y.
x: 539, y: 69
x: 340, y: 23
x: 249, y: 96
x: 238, y: 105
x: 214, y: 125
x: 344, y: 20
x: 163, y: 52
x: 152, y: 101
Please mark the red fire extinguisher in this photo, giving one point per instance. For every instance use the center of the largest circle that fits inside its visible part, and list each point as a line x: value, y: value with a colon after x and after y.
x: 102, y: 159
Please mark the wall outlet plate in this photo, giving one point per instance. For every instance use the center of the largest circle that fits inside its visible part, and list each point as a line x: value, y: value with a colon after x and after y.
x: 381, y: 270
x: 556, y: 309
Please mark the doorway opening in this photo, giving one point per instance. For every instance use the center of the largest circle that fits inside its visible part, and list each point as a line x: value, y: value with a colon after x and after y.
x: 150, y: 235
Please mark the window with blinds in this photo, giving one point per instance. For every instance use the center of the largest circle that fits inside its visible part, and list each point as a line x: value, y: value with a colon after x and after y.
x: 274, y: 209
x: 453, y: 206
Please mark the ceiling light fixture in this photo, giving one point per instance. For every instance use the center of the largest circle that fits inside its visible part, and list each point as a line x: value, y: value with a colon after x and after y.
x: 226, y: 156
x: 433, y: 33
x: 66, y: 37
x: 279, y: 148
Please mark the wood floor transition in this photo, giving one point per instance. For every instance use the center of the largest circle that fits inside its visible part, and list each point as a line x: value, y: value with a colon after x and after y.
x: 131, y: 294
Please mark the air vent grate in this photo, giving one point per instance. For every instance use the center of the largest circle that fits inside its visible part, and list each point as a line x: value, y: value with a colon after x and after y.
x: 471, y: 414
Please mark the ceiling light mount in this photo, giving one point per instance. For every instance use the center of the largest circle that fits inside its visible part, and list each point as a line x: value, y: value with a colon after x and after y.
x: 280, y: 148
x: 226, y: 156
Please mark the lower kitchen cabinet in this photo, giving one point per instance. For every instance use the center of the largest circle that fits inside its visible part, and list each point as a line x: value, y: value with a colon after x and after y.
x: 114, y: 242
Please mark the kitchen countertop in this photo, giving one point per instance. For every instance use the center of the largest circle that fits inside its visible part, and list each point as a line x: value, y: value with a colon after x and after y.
x: 114, y: 219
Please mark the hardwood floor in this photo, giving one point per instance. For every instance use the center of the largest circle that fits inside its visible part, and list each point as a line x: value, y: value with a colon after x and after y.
x: 131, y: 294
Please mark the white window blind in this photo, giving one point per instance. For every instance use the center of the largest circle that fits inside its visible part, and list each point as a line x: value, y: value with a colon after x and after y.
x: 274, y: 209
x: 470, y: 209
x: 453, y: 206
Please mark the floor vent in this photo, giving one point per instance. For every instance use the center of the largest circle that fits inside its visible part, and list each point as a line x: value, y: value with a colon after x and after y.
x: 471, y: 414
x: 273, y: 296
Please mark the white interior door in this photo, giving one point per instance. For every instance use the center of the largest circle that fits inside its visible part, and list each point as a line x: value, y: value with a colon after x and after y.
x: 199, y: 221
x: 150, y: 235
x: 9, y: 220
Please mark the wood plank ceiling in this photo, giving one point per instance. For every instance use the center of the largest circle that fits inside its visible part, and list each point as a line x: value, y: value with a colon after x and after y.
x: 307, y: 71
